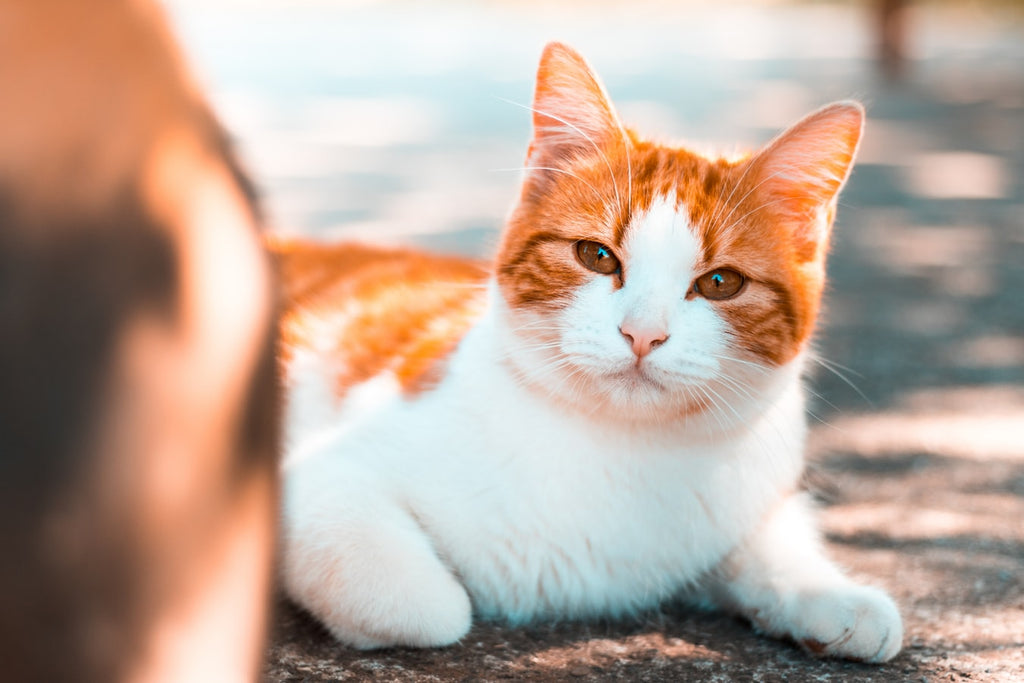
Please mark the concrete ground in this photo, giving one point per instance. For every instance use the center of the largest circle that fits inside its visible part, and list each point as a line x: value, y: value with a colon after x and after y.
x: 384, y: 122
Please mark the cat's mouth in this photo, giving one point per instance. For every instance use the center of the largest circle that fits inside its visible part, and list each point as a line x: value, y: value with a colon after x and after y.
x: 637, y: 377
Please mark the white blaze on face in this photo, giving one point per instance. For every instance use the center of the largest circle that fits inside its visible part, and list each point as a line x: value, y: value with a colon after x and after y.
x: 660, y: 252
x: 659, y: 259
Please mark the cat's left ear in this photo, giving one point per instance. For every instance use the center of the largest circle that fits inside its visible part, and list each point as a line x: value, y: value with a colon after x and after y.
x: 799, y: 174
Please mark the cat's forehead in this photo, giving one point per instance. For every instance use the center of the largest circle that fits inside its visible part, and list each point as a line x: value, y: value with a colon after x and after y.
x: 662, y: 233
x: 664, y: 179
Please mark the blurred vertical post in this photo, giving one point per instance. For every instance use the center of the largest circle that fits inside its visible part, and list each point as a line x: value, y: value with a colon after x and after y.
x: 891, y: 26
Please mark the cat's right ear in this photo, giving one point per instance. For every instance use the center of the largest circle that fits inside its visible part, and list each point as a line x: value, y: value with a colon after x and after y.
x: 800, y: 173
x: 572, y: 114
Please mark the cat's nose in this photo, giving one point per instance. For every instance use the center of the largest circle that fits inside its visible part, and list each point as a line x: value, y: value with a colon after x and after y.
x: 643, y: 338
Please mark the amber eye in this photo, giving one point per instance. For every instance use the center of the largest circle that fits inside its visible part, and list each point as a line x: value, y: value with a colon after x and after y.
x: 718, y: 284
x: 597, y: 257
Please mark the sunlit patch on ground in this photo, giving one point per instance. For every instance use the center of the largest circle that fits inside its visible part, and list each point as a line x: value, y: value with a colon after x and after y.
x: 959, y: 175
x: 979, y: 423
x: 581, y: 658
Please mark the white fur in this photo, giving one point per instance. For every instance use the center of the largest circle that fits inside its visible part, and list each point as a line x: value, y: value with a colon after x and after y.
x: 552, y: 475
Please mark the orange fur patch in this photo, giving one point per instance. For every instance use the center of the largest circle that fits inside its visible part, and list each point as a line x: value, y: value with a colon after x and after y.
x: 371, y: 310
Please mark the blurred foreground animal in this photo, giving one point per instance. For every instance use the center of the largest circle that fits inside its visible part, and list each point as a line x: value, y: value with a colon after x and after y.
x: 137, y: 439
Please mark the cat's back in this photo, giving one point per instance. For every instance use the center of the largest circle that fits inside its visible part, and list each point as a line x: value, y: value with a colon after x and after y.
x: 366, y: 310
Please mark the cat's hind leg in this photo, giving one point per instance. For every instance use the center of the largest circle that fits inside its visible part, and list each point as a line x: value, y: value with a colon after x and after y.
x: 366, y: 569
x: 781, y: 580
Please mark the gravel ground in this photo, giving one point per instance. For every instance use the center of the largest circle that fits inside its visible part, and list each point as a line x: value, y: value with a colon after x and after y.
x: 363, y: 122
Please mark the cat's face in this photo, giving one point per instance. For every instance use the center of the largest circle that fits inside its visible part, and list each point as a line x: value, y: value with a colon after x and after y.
x: 648, y: 281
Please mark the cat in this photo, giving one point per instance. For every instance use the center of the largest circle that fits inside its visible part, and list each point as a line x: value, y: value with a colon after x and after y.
x: 138, y: 454
x: 607, y: 417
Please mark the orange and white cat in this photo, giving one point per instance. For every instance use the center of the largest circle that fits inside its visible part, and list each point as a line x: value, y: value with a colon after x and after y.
x: 607, y: 417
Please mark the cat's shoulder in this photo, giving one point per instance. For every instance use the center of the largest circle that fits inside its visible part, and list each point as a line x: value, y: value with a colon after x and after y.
x: 376, y: 309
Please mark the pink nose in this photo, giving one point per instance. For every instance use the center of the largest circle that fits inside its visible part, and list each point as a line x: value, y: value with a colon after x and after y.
x: 643, y: 339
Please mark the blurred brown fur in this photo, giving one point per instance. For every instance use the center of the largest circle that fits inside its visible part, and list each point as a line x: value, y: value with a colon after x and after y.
x: 137, y: 392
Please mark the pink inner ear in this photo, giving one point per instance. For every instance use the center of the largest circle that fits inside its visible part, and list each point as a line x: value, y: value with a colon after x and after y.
x: 813, y: 158
x: 572, y: 111
x: 800, y: 173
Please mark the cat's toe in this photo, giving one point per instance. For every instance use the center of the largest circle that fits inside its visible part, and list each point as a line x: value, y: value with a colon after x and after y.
x: 855, y: 622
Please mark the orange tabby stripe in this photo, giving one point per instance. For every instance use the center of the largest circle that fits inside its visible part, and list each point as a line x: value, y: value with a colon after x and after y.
x: 380, y: 310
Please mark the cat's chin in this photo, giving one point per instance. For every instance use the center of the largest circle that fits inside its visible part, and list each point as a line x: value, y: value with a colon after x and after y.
x: 646, y: 401
x: 638, y: 378
x: 634, y: 395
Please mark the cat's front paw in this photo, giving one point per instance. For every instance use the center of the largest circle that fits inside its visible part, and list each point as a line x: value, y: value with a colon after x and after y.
x: 852, y: 622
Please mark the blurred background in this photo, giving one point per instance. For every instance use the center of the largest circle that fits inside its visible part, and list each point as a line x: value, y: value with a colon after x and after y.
x: 397, y: 122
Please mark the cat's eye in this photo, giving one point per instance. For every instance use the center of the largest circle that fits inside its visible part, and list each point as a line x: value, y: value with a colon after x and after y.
x: 722, y: 283
x: 597, y: 257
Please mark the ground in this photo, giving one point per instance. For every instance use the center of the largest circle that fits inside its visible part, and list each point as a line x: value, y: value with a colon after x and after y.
x: 361, y: 124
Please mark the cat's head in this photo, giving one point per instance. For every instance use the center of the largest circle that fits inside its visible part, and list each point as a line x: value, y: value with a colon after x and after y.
x: 649, y: 281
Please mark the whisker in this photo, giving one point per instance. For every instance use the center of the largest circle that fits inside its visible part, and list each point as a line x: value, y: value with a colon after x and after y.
x: 746, y: 363
x: 753, y: 211
x: 740, y: 201
x: 736, y: 385
x: 834, y: 369
x: 553, y: 170
x: 716, y: 411
x: 533, y: 347
x: 834, y: 364
x: 629, y: 166
x: 722, y: 207
x: 538, y: 326
x: 597, y: 148
x: 464, y: 285
x: 823, y: 422
x: 821, y: 398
